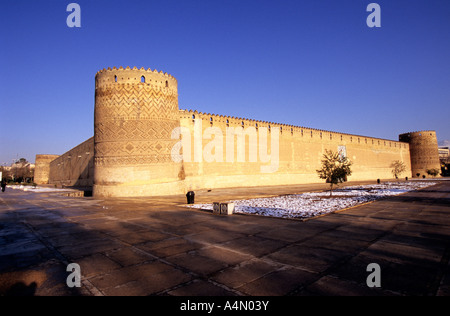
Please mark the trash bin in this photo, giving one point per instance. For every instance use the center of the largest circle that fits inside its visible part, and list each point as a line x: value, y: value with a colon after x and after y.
x: 190, y: 197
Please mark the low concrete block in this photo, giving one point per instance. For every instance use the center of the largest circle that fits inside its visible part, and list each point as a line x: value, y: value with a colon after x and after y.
x: 226, y: 208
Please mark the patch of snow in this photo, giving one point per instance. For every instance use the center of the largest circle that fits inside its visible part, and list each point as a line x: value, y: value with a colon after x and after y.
x: 313, y: 204
x: 30, y: 188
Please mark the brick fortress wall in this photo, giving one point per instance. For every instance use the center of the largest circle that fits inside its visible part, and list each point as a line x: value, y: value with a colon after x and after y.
x: 301, y: 150
x: 75, y: 167
x: 144, y: 145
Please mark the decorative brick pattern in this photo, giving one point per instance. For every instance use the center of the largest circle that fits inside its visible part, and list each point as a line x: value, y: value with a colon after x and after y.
x: 423, y: 151
x: 134, y: 120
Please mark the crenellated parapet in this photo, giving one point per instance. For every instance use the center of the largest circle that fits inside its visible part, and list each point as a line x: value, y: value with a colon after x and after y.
x: 292, y: 130
x: 155, y: 78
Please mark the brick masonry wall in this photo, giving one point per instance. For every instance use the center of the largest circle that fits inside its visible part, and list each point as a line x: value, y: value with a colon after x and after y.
x: 75, y: 167
x: 42, y: 168
x: 423, y: 150
x: 301, y: 150
x: 135, y: 113
x: 144, y: 145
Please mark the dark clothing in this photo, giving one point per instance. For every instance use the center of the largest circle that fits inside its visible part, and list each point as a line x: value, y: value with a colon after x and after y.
x: 3, y: 186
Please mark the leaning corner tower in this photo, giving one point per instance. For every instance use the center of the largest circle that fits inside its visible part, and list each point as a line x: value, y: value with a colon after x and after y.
x: 423, y: 146
x: 136, y: 111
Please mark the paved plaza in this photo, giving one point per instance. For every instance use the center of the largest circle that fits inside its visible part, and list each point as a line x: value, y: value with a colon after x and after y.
x: 155, y: 246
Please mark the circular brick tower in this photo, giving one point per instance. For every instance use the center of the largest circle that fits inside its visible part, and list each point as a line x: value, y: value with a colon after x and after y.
x: 424, y: 152
x: 136, y: 111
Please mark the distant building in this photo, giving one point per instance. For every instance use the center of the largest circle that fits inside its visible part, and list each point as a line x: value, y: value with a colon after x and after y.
x: 444, y: 157
x: 19, y: 171
x: 443, y: 152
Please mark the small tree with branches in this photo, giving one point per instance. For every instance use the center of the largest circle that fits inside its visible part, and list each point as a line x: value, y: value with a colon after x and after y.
x: 398, y: 167
x: 335, y: 169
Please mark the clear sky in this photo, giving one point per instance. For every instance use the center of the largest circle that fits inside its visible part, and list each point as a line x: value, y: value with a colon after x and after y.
x: 312, y: 63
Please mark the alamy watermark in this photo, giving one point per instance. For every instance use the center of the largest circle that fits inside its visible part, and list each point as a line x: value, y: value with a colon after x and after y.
x: 74, y: 18
x: 374, y: 278
x: 263, y: 145
x: 374, y: 18
x: 74, y: 278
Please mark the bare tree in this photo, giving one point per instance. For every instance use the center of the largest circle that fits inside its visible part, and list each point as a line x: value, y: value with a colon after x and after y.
x: 398, y: 167
x: 335, y: 169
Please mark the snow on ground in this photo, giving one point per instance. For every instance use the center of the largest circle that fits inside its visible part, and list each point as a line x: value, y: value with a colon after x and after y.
x: 31, y: 188
x: 308, y: 205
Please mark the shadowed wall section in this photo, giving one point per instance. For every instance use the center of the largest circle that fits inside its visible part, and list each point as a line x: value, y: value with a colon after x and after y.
x: 75, y: 167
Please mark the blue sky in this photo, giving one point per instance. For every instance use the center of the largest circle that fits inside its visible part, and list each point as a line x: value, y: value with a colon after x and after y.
x: 312, y: 63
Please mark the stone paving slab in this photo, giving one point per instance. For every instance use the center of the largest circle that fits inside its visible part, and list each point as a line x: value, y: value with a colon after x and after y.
x: 279, y: 282
x: 251, y: 270
x: 155, y: 246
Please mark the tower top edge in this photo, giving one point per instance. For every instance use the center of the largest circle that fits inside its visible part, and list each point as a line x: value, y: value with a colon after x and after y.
x: 418, y: 132
x: 134, y: 69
